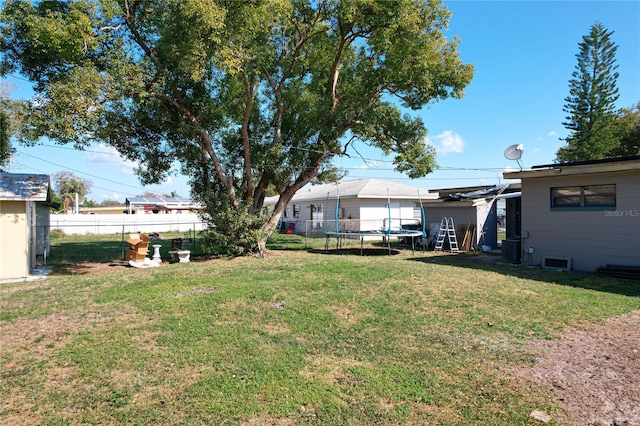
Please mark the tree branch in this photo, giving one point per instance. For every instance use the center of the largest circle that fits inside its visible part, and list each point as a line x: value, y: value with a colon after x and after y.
x: 244, y: 129
x: 205, y: 140
x: 110, y: 27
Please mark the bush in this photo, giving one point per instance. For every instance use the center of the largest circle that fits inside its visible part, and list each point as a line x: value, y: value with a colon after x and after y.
x: 232, y: 232
x: 57, y: 234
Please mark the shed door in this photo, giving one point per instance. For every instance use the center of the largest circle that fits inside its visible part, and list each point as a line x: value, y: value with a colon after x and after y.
x: 14, y: 244
x: 42, y: 229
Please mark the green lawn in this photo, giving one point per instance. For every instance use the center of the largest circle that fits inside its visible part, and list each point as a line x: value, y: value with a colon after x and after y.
x: 299, y: 337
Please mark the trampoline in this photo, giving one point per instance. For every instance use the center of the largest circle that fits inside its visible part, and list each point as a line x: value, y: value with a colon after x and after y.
x: 386, y: 237
x: 386, y: 233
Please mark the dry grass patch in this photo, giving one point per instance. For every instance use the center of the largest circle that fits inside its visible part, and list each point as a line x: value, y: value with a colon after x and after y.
x: 274, y: 329
x: 7, y: 290
x: 266, y: 420
x: 234, y: 311
x: 348, y: 314
x: 437, y: 414
x: 330, y: 369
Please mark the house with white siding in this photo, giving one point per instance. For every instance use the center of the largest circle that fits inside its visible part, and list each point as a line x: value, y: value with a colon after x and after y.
x: 581, y: 215
x: 362, y: 204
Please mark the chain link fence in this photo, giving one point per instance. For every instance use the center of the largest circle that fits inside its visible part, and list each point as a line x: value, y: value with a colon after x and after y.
x: 75, y: 244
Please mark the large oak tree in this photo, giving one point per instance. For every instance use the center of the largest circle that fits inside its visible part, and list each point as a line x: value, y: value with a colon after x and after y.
x: 248, y: 96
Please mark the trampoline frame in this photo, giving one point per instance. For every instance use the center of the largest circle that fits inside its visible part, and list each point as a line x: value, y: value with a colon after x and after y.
x: 386, y: 238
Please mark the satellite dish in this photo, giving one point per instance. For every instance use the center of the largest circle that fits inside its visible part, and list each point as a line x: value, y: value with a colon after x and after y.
x: 514, y: 152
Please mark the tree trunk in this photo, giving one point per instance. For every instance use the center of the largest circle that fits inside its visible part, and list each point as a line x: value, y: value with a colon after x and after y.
x: 270, y: 226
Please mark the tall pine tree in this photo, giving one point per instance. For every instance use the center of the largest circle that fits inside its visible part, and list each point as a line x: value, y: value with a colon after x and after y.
x: 591, y: 101
x: 5, y: 142
x: 5, y: 126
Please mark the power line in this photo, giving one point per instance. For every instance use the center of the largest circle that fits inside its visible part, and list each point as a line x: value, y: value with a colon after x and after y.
x: 25, y: 166
x: 346, y: 168
x: 84, y: 173
x: 81, y: 150
x: 456, y: 169
x: 477, y: 169
x: 17, y: 78
x: 426, y: 178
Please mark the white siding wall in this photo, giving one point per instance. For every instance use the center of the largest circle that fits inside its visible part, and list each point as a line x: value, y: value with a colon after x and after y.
x: 374, y: 213
x: 351, y: 208
x: 592, y: 238
x: 370, y: 214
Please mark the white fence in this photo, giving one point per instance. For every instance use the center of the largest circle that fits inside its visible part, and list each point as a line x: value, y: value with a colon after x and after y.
x: 102, y: 224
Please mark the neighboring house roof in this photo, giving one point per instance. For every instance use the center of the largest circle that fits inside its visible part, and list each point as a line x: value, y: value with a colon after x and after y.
x: 578, y: 168
x: 360, y: 188
x: 25, y: 187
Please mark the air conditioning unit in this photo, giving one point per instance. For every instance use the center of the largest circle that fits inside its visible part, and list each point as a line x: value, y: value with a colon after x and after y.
x: 556, y: 263
x: 511, y: 250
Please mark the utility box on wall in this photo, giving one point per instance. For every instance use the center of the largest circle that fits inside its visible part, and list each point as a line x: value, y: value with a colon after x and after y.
x: 138, y: 247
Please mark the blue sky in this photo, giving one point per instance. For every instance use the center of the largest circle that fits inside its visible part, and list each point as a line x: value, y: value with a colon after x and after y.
x: 523, y: 53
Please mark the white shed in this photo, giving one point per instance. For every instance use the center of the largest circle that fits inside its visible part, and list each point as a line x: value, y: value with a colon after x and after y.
x: 24, y: 222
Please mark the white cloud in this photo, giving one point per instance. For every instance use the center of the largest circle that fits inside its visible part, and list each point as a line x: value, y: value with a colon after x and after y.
x: 447, y: 142
x: 535, y: 150
x: 168, y: 181
x: 552, y: 134
x: 107, y: 156
x: 111, y: 196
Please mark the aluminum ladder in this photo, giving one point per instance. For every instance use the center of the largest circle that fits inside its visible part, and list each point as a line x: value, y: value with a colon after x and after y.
x: 447, y: 231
